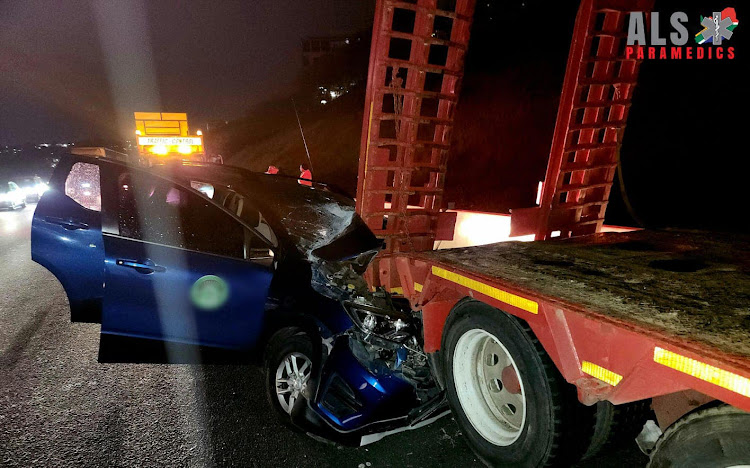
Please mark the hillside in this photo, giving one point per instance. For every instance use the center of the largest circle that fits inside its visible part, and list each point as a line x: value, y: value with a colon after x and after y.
x: 270, y: 136
x: 500, y: 143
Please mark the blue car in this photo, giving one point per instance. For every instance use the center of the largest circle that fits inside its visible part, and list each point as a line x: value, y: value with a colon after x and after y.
x: 196, y: 262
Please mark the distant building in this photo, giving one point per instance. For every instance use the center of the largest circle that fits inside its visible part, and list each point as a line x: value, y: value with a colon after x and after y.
x: 314, y: 48
x: 334, y: 65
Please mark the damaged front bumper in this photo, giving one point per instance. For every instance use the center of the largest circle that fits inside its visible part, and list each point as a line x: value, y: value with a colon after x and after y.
x: 374, y: 379
x: 358, y: 402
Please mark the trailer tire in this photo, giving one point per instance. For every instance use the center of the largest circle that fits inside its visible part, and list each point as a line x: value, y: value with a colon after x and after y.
x: 710, y: 437
x: 617, y: 425
x: 555, y: 428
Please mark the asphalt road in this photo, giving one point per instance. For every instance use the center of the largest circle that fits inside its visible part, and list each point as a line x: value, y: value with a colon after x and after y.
x: 60, y: 407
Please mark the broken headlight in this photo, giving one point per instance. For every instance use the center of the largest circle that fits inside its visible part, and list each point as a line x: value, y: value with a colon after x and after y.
x: 382, y: 322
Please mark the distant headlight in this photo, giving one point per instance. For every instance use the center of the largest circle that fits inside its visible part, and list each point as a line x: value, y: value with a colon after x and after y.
x: 41, y: 188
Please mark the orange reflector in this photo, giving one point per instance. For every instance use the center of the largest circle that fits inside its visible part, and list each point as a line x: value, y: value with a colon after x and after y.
x: 605, y: 375
x: 487, y: 290
x: 699, y: 370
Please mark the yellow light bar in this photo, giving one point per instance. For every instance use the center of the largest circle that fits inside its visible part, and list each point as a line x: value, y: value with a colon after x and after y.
x: 487, y: 290
x: 699, y: 370
x: 605, y: 375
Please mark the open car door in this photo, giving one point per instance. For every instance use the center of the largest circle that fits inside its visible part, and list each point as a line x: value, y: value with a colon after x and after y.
x: 178, y: 270
x: 66, y: 235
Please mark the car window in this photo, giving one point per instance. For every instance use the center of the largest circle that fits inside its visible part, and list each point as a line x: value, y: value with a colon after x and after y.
x: 13, y: 186
x: 82, y: 185
x: 155, y: 210
x: 235, y: 203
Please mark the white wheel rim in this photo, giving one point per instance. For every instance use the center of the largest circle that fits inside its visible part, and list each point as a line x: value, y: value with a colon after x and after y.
x: 292, y: 376
x: 489, y: 387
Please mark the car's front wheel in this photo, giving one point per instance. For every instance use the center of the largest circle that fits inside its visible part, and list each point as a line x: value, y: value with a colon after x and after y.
x: 289, y: 369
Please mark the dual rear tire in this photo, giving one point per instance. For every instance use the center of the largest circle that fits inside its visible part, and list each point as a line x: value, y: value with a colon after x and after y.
x: 710, y: 437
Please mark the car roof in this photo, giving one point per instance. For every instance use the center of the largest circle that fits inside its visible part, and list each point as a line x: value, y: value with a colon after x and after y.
x: 311, y: 217
x: 219, y: 173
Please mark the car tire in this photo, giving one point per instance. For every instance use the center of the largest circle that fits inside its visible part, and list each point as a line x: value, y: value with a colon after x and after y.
x: 523, y: 415
x: 617, y: 425
x: 710, y: 437
x: 288, y: 365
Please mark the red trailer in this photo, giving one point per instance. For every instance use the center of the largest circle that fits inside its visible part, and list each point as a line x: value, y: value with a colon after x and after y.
x: 546, y: 348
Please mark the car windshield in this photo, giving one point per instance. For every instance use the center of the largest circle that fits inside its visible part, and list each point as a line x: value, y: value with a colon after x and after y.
x: 310, y: 219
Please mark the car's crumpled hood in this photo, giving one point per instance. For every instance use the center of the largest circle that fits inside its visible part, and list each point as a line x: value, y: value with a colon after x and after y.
x: 322, y: 225
x: 323, y: 228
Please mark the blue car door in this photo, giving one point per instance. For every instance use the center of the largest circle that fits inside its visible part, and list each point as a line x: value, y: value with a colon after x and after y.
x: 66, y: 235
x: 178, y: 268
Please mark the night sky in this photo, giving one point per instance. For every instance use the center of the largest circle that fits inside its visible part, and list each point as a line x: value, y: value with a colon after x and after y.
x: 77, y: 69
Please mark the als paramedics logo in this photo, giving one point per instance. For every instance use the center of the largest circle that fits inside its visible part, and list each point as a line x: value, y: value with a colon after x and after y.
x: 717, y: 27
x: 673, y: 45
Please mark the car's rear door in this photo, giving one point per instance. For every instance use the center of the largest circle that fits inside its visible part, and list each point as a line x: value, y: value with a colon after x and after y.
x: 66, y: 236
x: 176, y: 267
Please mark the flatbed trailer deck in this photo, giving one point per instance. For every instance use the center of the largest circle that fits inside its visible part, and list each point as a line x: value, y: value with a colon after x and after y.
x: 625, y: 316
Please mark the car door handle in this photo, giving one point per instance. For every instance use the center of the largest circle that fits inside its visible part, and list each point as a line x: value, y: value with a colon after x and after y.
x: 69, y: 224
x: 145, y: 267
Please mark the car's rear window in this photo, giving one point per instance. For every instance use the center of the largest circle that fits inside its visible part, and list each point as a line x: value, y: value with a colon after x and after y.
x: 82, y: 185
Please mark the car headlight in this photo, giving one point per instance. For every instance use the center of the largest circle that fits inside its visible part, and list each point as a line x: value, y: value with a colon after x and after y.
x: 392, y: 325
x: 41, y: 188
x: 5, y: 197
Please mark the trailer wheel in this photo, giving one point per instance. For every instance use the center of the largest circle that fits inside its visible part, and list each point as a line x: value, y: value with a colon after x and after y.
x: 706, y: 438
x: 617, y: 425
x: 506, y: 394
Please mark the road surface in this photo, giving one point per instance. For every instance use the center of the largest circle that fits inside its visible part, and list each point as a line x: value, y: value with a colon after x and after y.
x: 60, y: 407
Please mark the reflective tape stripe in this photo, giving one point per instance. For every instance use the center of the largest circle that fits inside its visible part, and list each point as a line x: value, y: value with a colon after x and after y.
x: 605, y: 375
x: 699, y: 370
x: 417, y: 287
x: 397, y: 290
x: 487, y: 290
